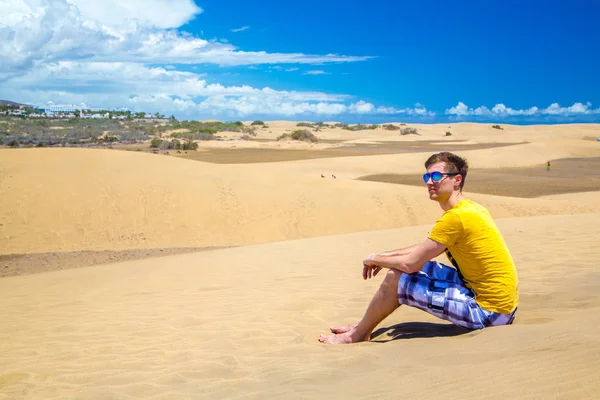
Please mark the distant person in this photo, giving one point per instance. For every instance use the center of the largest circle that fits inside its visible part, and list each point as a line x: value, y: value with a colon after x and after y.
x: 478, y: 292
x: 333, y: 176
x: 322, y: 176
x: 548, y: 166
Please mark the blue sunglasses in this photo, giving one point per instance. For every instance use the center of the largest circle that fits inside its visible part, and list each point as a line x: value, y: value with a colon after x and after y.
x: 437, y: 176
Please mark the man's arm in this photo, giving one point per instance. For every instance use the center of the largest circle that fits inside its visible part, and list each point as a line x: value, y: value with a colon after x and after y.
x: 407, y: 263
x: 400, y: 252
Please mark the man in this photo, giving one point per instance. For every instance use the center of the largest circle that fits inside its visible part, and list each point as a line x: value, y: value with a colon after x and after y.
x: 481, y: 289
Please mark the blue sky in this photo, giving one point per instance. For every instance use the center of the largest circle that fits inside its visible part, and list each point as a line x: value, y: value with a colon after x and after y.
x: 428, y: 61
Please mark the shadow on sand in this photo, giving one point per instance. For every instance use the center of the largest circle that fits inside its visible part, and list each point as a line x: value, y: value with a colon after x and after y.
x: 415, y: 330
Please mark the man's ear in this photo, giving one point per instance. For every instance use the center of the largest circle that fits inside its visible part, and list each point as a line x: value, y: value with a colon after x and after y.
x: 457, y: 181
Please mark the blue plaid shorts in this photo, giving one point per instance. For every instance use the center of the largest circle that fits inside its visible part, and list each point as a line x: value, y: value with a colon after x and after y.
x: 438, y: 290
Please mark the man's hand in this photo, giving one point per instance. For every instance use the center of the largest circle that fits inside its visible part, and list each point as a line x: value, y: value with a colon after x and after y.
x: 370, y: 269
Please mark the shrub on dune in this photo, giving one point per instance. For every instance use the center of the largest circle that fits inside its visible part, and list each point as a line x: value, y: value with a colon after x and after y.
x: 155, y: 143
x: 302, y: 135
x: 409, y: 131
x: 359, y: 127
x: 189, y: 145
x: 250, y: 131
x: 175, y: 144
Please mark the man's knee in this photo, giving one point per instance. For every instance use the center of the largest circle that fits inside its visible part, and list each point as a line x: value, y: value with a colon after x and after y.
x: 392, y: 277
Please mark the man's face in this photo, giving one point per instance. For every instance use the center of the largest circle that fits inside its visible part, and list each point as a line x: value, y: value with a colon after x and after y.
x: 442, y: 190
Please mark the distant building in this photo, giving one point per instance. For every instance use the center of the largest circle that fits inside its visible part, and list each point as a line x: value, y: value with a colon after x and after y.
x: 53, y: 110
x: 64, y: 108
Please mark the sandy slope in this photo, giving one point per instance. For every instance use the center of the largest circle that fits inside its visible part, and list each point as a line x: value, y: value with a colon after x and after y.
x: 243, y: 323
x: 91, y: 199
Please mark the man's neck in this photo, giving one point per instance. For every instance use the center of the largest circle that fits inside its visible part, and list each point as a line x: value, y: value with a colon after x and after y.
x: 452, y: 201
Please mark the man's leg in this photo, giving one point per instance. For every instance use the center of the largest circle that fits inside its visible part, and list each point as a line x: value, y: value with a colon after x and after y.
x: 383, y: 304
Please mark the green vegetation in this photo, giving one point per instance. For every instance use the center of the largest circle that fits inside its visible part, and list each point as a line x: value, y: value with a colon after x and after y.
x: 448, y: 133
x: 155, y: 143
x: 360, y: 127
x: 198, y: 130
x: 303, y: 135
x: 357, y: 127
x: 173, y: 144
x: 75, y: 131
x: 189, y: 145
x: 50, y: 132
x: 316, y: 126
x: 125, y: 127
x: 208, y: 127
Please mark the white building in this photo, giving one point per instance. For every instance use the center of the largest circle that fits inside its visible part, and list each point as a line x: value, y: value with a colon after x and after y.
x: 52, y: 109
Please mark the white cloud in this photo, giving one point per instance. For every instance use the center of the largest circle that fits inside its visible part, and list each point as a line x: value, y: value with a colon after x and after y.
x: 243, y: 28
x: 186, y: 94
x: 460, y: 109
x: 159, y: 13
x: 39, y: 31
x: 168, y: 91
x: 130, y: 79
x: 246, y: 105
x: 576, y: 108
x: 100, y: 53
x: 418, y: 110
x: 316, y: 72
x: 500, y: 110
x: 362, y: 107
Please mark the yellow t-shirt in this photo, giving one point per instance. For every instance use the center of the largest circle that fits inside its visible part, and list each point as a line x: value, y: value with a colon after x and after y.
x: 476, y: 248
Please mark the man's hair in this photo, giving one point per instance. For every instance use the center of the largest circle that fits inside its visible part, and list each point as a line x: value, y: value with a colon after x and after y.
x: 455, y: 164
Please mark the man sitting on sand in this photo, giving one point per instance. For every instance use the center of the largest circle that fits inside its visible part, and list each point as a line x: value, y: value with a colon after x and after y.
x: 480, y: 291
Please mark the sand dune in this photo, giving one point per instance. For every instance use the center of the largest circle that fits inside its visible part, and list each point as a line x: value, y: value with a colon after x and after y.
x: 242, y: 321
x: 116, y: 200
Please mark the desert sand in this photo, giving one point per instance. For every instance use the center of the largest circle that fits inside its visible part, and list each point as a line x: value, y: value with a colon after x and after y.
x: 211, y: 274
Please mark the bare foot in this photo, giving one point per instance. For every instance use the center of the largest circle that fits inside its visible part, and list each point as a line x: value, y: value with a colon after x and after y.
x: 343, y: 329
x: 348, y: 337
